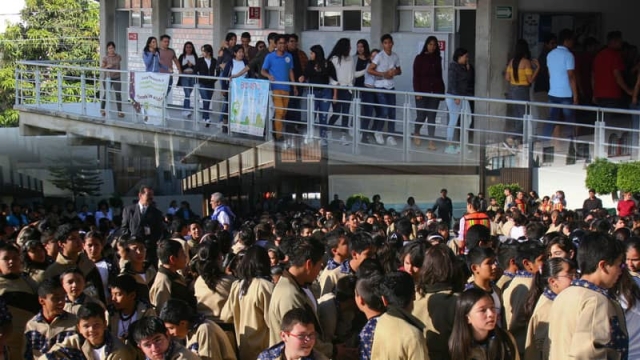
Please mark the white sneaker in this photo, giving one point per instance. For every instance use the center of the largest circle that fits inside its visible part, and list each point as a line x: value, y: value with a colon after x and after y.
x: 379, y: 138
x: 343, y: 140
x: 185, y: 113
x: 391, y: 141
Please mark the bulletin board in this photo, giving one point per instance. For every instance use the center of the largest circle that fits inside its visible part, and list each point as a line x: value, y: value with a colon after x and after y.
x: 534, y: 27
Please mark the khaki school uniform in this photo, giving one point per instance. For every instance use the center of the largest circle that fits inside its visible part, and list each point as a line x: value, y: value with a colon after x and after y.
x: 40, y: 336
x: 93, y: 281
x: 120, y: 328
x: 116, y: 349
x: 179, y: 352
x: 72, y: 307
x: 329, y: 278
x: 210, y: 342
x: 144, y: 280
x: 395, y: 338
x: 513, y: 298
x: 536, y: 345
x: 504, y: 282
x: 586, y: 325
x: 287, y: 295
x: 169, y: 285
x: 436, y: 310
x: 20, y: 294
x: 250, y: 316
x: 211, y: 302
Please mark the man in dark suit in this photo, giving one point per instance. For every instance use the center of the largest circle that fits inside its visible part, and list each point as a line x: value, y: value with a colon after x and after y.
x: 143, y: 220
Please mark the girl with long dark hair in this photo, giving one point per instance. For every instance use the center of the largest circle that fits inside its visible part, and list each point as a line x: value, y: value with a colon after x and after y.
x: 520, y: 74
x: 151, y: 55
x: 320, y: 71
x: 213, y: 285
x: 345, y: 76
x: 187, y: 61
x: 364, y: 80
x: 555, y: 275
x: 459, y: 77
x: 427, y: 78
x: 475, y: 334
x: 248, y: 303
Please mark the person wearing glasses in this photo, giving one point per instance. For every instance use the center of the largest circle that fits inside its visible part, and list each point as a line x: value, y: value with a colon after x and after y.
x: 298, y: 334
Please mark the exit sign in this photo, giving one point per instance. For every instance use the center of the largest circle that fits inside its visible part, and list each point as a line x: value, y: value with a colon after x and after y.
x: 504, y: 12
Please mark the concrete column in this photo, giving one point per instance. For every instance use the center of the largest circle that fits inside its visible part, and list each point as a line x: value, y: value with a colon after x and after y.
x: 383, y: 20
x: 494, y: 47
x: 107, y: 24
x: 222, y: 22
x: 160, y: 17
x: 295, y: 14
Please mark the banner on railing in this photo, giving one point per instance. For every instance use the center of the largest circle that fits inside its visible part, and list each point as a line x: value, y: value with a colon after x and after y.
x: 248, y: 106
x: 149, y: 92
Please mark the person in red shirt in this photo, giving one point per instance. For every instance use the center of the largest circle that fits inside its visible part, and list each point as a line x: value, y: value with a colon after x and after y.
x: 608, y: 82
x: 627, y: 206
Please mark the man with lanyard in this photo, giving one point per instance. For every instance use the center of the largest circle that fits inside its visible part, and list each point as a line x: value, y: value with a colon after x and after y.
x: 221, y: 212
x: 167, y: 59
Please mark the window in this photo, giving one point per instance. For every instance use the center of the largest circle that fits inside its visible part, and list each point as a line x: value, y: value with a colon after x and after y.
x: 258, y: 14
x: 337, y: 15
x: 191, y: 13
x: 427, y: 15
x: 140, y: 11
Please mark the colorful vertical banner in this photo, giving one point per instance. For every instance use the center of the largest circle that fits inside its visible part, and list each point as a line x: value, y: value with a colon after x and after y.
x: 150, y: 91
x: 248, y: 106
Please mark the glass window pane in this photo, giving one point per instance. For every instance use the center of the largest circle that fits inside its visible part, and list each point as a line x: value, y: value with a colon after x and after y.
x: 176, y: 18
x: 136, y: 20
x: 273, y: 19
x: 273, y: 3
x: 204, y: 3
x: 240, y: 18
x: 352, y: 20
x: 316, y: 2
x: 146, y: 18
x: 367, y: 2
x: 313, y: 22
x: 444, y: 2
x: 176, y: 3
x: 444, y: 19
x: 466, y: 3
x: 205, y: 18
x: 330, y: 19
x: 254, y: 2
x: 405, y: 18
x: 422, y: 19
x: 188, y: 4
x: 352, y: 2
x: 405, y: 3
x: 240, y: 3
x: 334, y: 2
x: 366, y: 19
x: 123, y: 4
x: 424, y: 2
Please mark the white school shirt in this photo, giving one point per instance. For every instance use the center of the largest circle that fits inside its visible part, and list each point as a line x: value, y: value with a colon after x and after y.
x: 385, y: 62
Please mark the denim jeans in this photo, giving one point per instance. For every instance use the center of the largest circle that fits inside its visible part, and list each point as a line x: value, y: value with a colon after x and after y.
x: 341, y: 109
x: 426, y: 109
x: 554, y: 115
x: 387, y: 111
x: 521, y: 93
x: 187, y: 87
x: 368, y: 99
x: 321, y: 105
x: 454, y: 114
x: 206, y: 93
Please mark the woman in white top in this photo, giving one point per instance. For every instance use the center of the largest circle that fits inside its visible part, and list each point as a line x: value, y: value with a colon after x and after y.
x: 188, y: 62
x: 345, y: 75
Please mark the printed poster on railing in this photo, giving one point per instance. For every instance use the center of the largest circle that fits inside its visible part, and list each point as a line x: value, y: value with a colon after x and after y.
x: 248, y: 106
x: 150, y: 91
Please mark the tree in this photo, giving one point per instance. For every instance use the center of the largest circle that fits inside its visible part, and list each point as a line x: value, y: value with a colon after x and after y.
x: 497, y: 191
x: 56, y: 30
x: 602, y: 176
x: 77, y: 175
x: 628, y: 175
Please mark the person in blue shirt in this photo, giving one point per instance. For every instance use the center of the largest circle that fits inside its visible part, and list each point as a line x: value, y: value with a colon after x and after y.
x: 278, y: 67
x: 563, y: 87
x: 151, y: 56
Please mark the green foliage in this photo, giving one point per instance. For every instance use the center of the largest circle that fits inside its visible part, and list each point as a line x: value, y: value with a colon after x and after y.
x: 629, y: 176
x: 497, y: 191
x: 353, y: 198
x: 602, y: 176
x: 77, y: 175
x: 55, y: 30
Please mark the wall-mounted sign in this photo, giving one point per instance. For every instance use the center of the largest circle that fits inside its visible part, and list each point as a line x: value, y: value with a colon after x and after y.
x: 254, y: 13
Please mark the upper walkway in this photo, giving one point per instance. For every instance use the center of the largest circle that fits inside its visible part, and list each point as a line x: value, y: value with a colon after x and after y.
x: 66, y: 98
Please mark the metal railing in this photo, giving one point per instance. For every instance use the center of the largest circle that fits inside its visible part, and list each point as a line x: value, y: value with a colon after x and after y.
x: 483, y: 132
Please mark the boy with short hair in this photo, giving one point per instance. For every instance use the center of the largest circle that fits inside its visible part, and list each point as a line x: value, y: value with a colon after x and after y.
x: 136, y: 265
x: 507, y: 253
x: 152, y: 337
x: 588, y: 322
x: 93, y: 341
x: 72, y: 282
x: 369, y: 301
x: 126, y: 307
x: 298, y: 334
x: 360, y: 248
x: 52, y: 324
x: 529, y: 260
x: 482, y: 264
x: 169, y: 283
x: 203, y: 337
x: 338, y: 245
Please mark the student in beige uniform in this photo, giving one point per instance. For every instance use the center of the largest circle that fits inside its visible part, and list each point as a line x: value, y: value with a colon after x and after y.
x: 19, y: 293
x: 305, y: 259
x: 475, y: 332
x: 587, y: 322
x: 73, y: 284
x: 212, y: 285
x: 438, y: 289
x: 248, y: 303
x: 126, y: 307
x: 338, y: 245
x: 530, y: 258
x: 298, y: 334
x: 169, y: 284
x: 135, y: 264
x: 507, y: 254
x: 93, y: 341
x: 555, y: 275
x: 152, y: 338
x: 360, y: 248
x: 203, y: 337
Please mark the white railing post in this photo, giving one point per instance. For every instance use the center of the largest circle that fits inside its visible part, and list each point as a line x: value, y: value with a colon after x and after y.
x: 465, y: 119
x: 268, y: 136
x: 599, y: 138
x: 59, y: 90
x: 83, y: 93
x: 196, y: 106
x: 309, y: 136
x: 18, y: 87
x: 164, y: 112
x: 357, y: 122
x: 37, y: 74
x: 406, y: 128
x: 107, y: 94
x: 527, y: 138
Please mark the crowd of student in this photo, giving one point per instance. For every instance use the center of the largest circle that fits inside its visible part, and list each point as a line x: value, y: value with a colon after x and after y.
x: 298, y: 284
